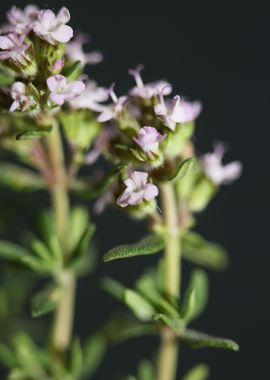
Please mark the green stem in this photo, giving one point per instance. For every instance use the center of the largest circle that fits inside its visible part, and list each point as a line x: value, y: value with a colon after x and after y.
x: 63, y: 320
x: 169, y: 344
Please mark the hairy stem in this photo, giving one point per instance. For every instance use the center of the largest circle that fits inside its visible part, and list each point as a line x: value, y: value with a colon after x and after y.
x: 169, y: 344
x: 63, y: 320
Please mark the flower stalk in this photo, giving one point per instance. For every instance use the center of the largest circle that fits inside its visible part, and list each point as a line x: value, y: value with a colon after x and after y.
x: 63, y: 320
x: 169, y: 343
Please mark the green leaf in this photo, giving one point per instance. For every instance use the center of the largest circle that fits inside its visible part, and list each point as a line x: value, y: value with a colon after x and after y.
x: 184, y: 168
x: 46, y: 300
x: 73, y: 71
x: 33, y: 134
x: 147, y: 246
x: 146, y: 370
x: 12, y: 252
x: 199, y: 339
x: 82, y: 246
x: 19, y: 178
x: 93, y: 353
x: 7, y: 357
x: 199, y: 372
x: 139, y: 305
x: 194, y: 338
x: 202, y: 252
x: 5, y: 79
x: 113, y: 287
x: 76, y: 358
x: 147, y: 286
x: 196, y: 297
x: 79, y: 222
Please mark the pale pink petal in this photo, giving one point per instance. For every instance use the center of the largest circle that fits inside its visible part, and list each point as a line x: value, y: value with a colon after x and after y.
x: 231, y: 172
x: 55, y: 81
x: 150, y: 192
x: 63, y: 15
x: 63, y: 33
x: 14, y: 106
x: 76, y: 88
x: 58, y: 99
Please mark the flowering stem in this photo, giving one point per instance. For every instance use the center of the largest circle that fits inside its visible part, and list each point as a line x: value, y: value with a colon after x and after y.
x: 63, y: 320
x: 169, y: 343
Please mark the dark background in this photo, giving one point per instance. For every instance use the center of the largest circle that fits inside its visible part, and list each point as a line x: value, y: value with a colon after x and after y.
x: 217, y: 52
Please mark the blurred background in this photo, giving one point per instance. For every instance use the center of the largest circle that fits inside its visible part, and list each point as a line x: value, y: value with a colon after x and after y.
x: 217, y: 52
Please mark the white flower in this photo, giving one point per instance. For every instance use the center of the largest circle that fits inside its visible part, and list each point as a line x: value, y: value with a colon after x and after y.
x: 20, y: 100
x: 113, y: 110
x: 12, y: 48
x: 53, y: 28
x: 90, y: 98
x: 75, y: 52
x: 147, y: 91
x: 21, y: 21
x: 137, y: 190
x: 61, y: 90
x: 218, y: 173
x: 176, y: 111
x: 148, y: 139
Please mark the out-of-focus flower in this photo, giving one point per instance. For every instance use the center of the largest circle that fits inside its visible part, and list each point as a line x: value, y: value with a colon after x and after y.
x: 216, y: 171
x: 21, y: 21
x: 13, y: 48
x: 137, y: 190
x: 61, y: 90
x: 112, y: 111
x: 147, y: 91
x: 20, y: 100
x: 176, y: 111
x: 101, y: 145
x: 75, y: 52
x: 148, y: 139
x: 91, y: 98
x: 52, y: 27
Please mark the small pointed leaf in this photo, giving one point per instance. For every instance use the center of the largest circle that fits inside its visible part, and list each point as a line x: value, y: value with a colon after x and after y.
x: 19, y: 178
x: 76, y: 359
x: 184, y: 168
x: 139, y: 305
x: 33, y: 134
x: 199, y: 372
x: 149, y: 245
x: 93, y: 352
x: 12, y: 252
x: 146, y: 370
x: 199, y: 339
x: 46, y: 300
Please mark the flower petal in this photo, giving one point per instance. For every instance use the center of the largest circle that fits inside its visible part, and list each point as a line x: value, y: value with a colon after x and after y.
x: 63, y: 33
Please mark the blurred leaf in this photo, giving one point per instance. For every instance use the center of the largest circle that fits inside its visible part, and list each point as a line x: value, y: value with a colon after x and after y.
x: 146, y: 371
x: 73, y: 71
x: 139, y: 305
x: 199, y: 251
x: 12, y: 252
x: 177, y: 325
x: 184, y: 168
x: 46, y: 300
x: 7, y: 357
x: 5, y: 79
x: 196, y: 297
x: 76, y: 358
x: 199, y: 372
x: 149, y: 245
x: 78, y: 222
x: 113, y: 287
x: 148, y: 288
x: 93, y: 353
x: 19, y: 178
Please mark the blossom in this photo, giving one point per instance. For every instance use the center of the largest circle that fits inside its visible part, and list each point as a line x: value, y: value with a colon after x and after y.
x: 20, y: 99
x: 12, y: 47
x: 218, y: 173
x: 176, y: 111
x: 21, y: 21
x: 57, y: 66
x: 112, y: 111
x: 148, y: 139
x: 90, y: 98
x: 61, y: 90
x: 75, y: 52
x: 147, y: 91
x: 137, y: 190
x: 52, y: 27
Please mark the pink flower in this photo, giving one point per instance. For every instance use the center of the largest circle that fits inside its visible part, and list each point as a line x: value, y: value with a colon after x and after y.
x: 148, y: 139
x: 90, y: 98
x: 21, y: 21
x: 218, y: 173
x: 53, y: 28
x: 21, y: 100
x: 12, y: 47
x: 61, y: 90
x: 137, y: 190
x: 75, y: 52
x: 112, y: 111
x: 58, y: 65
x: 176, y: 111
x: 147, y: 91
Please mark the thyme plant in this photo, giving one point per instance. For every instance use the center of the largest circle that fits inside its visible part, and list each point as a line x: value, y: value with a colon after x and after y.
x: 56, y: 121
